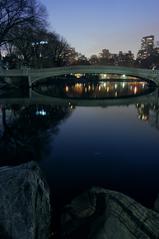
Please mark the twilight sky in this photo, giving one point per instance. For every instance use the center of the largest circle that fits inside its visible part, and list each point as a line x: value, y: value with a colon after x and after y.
x: 91, y: 25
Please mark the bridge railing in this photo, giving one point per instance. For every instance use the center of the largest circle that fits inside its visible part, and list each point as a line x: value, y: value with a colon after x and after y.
x: 78, y: 69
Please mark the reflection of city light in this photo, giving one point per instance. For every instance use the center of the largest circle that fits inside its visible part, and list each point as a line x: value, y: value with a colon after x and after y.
x: 89, y: 87
x: 116, y: 93
x: 135, y: 90
x: 123, y: 84
x: 99, y: 87
x: 108, y: 89
x: 41, y: 112
x: 85, y: 89
x: 143, y: 85
x: 66, y: 89
x: 144, y: 117
x: 78, y: 88
x: 105, y: 84
x: 116, y: 86
x: 142, y: 106
x: 124, y: 76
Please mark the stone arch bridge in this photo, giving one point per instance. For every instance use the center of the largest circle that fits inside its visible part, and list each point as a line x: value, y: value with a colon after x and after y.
x: 35, y: 75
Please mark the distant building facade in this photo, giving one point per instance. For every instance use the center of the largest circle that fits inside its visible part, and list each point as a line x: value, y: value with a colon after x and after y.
x: 147, y: 47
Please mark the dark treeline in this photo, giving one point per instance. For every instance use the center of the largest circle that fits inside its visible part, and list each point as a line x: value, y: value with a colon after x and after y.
x: 26, y: 41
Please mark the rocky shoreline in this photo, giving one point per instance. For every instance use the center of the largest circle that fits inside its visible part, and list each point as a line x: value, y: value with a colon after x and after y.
x: 25, y: 210
x: 105, y: 214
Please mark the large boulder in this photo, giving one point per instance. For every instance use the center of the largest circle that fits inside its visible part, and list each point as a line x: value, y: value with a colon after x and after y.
x: 104, y: 214
x: 24, y: 203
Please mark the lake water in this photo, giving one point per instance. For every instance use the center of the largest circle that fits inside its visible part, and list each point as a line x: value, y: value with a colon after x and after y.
x: 100, y: 134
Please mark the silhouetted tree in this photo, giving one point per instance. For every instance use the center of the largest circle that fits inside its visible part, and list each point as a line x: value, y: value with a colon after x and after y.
x: 15, y: 13
x: 94, y: 60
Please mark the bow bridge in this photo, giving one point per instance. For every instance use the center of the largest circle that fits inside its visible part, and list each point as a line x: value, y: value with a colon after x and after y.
x: 35, y: 75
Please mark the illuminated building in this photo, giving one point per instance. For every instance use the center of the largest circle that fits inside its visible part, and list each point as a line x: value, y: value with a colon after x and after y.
x: 147, y: 47
x: 147, y: 43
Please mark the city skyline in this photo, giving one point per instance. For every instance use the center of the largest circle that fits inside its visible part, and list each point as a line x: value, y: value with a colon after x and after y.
x: 116, y: 25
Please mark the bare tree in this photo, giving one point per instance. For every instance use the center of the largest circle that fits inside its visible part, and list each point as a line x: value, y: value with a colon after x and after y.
x: 16, y: 13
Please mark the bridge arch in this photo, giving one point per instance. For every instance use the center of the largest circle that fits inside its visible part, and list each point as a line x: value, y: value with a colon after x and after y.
x: 147, y: 74
x: 35, y: 75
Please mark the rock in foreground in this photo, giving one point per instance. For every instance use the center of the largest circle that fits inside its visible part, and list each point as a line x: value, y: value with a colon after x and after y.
x: 104, y: 214
x: 24, y: 203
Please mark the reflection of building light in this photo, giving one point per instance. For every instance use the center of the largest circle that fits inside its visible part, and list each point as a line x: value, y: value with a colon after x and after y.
x: 89, y: 87
x: 142, y: 106
x: 41, y: 112
x: 123, y: 84
x: 108, y: 89
x: 116, y: 93
x: 66, y: 89
x: 78, y: 88
x: 85, y: 89
x: 105, y: 84
x: 116, y: 86
x: 99, y: 87
x: 78, y: 85
x: 144, y: 117
x: 135, y: 90
x: 143, y: 85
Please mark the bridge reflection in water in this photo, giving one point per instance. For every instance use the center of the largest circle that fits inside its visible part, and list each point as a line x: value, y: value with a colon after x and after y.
x: 144, y: 103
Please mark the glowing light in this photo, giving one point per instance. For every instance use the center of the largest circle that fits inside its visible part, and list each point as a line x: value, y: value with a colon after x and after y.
x: 108, y: 88
x: 144, y: 117
x: 66, y: 89
x: 103, y: 76
x: 116, y: 86
x: 41, y: 112
x: 135, y: 90
x: 78, y: 88
x: 123, y: 85
x: 78, y: 75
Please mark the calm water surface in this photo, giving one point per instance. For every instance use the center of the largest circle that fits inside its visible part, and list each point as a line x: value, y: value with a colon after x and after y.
x: 80, y: 144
